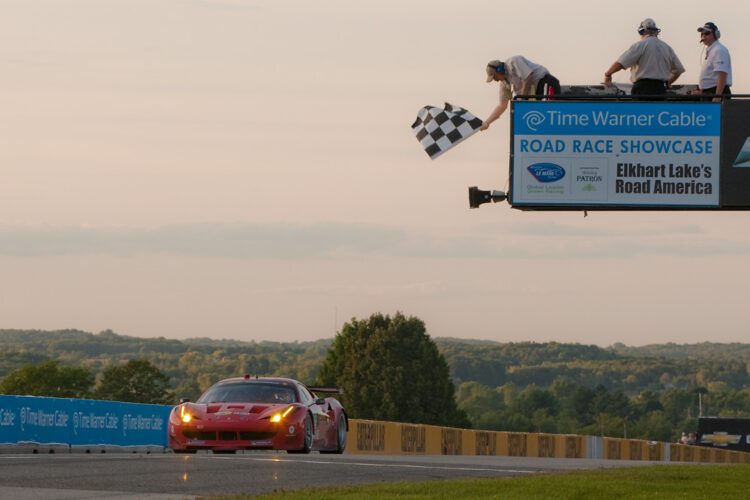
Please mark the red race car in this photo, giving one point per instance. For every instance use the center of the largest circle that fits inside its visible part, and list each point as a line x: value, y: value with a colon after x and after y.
x: 259, y: 413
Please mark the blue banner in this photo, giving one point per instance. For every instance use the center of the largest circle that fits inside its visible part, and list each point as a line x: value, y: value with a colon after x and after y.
x: 80, y: 422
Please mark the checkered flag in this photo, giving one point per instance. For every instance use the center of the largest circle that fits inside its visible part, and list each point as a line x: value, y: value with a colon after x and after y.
x: 439, y: 129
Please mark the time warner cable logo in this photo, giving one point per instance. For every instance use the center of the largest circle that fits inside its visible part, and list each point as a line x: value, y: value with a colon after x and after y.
x: 533, y: 119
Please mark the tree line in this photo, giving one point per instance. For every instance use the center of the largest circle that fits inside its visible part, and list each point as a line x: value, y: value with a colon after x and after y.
x: 388, y: 363
x: 568, y: 408
x: 136, y: 381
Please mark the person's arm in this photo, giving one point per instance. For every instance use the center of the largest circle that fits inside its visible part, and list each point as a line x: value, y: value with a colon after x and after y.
x: 720, y: 84
x: 677, y: 68
x: 616, y: 66
x: 499, y: 110
x: 675, y: 76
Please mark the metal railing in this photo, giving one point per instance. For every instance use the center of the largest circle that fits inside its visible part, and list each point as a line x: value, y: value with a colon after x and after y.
x: 620, y: 92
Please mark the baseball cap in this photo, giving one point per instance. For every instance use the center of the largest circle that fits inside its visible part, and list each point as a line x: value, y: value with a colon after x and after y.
x: 709, y: 26
x: 648, y: 24
x: 494, y: 66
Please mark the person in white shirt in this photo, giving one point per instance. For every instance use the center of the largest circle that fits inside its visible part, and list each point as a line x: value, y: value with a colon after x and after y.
x: 520, y: 76
x: 716, y: 70
x: 653, y: 64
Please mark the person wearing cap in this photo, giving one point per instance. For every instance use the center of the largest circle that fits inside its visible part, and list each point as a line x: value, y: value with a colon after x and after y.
x: 518, y: 74
x: 716, y: 70
x: 653, y: 64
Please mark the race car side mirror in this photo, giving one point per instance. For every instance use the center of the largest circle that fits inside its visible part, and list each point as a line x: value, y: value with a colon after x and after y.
x: 320, y: 401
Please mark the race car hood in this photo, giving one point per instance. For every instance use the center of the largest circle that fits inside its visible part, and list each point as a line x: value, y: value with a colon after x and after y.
x: 230, y: 411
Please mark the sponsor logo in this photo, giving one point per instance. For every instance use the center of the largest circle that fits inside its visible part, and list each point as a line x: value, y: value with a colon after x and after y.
x: 617, y: 116
x: 413, y: 439
x: 533, y: 119
x: 451, y: 442
x: 743, y: 157
x: 485, y: 443
x: 546, y: 446
x: 721, y: 438
x: 260, y: 443
x: 517, y: 445
x: 574, y: 447
x: 370, y: 436
x: 546, y: 172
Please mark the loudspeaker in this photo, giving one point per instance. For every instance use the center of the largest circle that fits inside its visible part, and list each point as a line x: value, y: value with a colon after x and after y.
x: 478, y: 197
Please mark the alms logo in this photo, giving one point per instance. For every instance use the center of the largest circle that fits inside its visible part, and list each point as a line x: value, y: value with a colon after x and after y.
x: 546, y: 172
x: 533, y: 119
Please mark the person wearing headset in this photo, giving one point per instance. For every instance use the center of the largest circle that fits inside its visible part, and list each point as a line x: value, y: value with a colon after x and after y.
x: 716, y: 70
x: 518, y: 74
x: 653, y: 64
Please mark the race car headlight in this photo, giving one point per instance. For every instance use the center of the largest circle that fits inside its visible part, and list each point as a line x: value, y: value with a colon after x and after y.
x: 278, y: 416
x: 185, y: 416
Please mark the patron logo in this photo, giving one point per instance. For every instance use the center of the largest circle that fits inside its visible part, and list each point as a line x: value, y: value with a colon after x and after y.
x: 546, y: 172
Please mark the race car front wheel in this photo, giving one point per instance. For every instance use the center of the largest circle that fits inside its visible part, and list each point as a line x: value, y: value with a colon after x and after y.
x: 340, y: 435
x: 341, y: 432
x: 308, y: 437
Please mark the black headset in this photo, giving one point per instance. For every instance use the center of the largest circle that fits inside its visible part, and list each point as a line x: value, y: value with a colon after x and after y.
x: 500, y: 68
x: 712, y: 28
x: 642, y: 31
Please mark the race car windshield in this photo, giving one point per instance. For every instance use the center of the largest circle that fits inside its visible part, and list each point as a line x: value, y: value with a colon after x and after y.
x: 249, y: 393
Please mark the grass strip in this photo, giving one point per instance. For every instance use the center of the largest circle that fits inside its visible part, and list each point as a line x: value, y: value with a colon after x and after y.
x: 652, y: 482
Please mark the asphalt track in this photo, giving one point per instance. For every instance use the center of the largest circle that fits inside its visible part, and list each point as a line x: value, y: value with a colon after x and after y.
x: 169, y: 476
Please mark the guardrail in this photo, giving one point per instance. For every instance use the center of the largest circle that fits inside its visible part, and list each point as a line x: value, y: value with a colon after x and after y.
x: 48, y: 425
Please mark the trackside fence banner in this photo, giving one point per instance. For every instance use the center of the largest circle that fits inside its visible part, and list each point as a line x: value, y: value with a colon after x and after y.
x: 80, y: 422
x: 394, y: 438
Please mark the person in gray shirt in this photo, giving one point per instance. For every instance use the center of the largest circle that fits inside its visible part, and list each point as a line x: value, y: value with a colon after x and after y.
x: 653, y: 64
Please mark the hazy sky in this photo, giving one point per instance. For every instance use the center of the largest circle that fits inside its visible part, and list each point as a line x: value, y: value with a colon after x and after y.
x: 246, y: 169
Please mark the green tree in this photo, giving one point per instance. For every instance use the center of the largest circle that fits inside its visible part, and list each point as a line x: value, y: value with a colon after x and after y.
x: 390, y: 369
x: 477, y: 399
x: 50, y: 380
x: 136, y: 381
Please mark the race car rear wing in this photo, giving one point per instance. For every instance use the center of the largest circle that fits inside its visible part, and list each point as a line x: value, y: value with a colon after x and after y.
x: 333, y: 390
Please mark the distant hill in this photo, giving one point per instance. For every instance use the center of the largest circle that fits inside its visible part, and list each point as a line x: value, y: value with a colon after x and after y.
x: 703, y: 350
x: 194, y: 364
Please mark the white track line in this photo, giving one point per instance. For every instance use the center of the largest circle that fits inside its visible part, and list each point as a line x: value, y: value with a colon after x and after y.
x: 441, y: 467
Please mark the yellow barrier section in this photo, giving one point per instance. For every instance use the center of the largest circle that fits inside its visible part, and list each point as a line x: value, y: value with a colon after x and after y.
x: 395, y: 438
